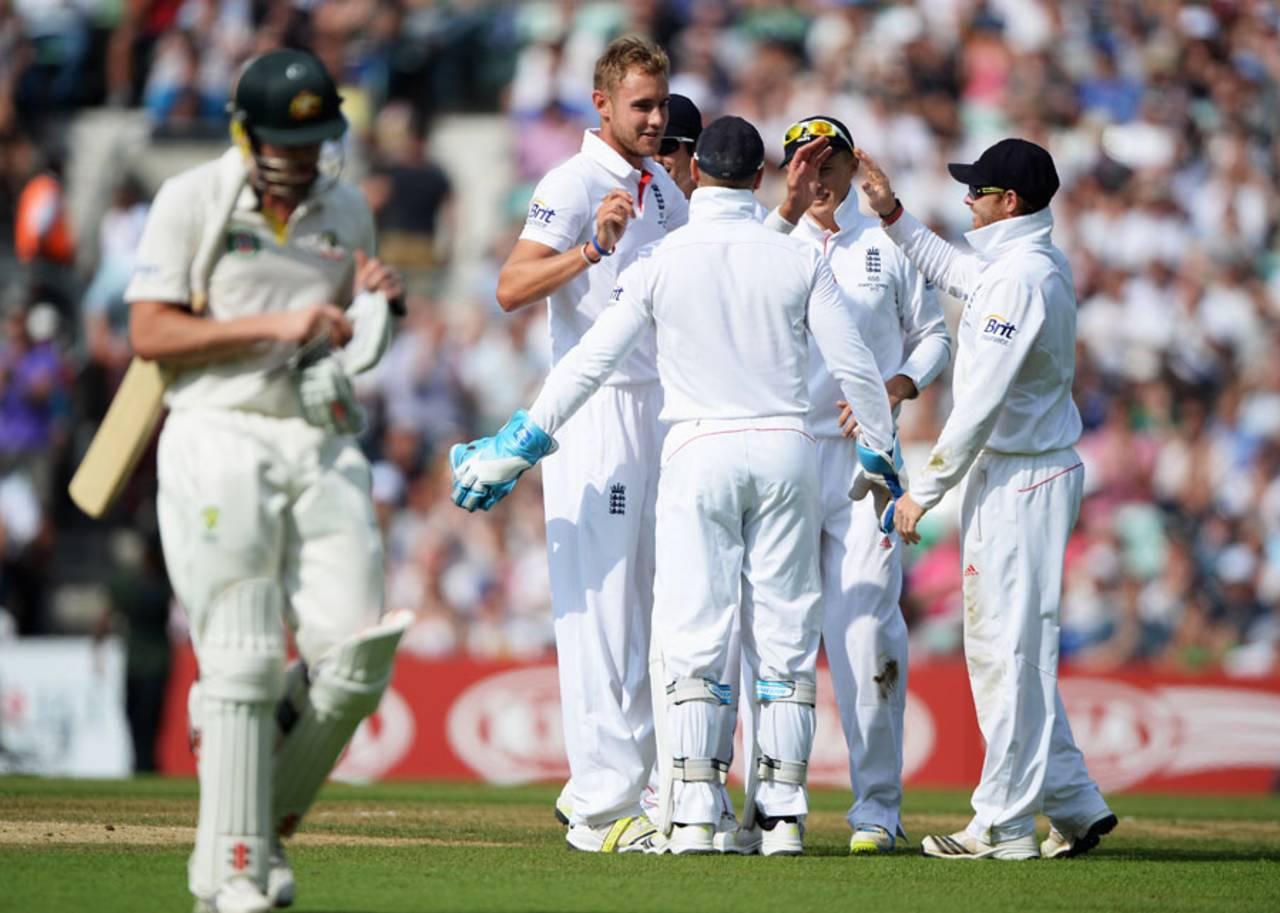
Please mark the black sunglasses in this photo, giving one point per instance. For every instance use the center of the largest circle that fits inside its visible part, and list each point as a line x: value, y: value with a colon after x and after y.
x: 670, y: 144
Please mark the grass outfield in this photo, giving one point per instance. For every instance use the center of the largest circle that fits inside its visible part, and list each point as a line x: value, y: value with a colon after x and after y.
x: 101, y: 847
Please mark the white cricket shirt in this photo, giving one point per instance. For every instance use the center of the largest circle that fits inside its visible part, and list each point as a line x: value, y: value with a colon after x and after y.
x: 256, y: 272
x: 897, y: 308
x: 733, y: 303
x: 1015, y: 358
x: 562, y: 215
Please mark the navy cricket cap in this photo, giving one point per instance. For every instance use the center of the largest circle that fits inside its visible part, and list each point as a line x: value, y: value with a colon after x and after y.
x: 730, y: 149
x: 820, y: 126
x: 684, y: 120
x: 1013, y: 164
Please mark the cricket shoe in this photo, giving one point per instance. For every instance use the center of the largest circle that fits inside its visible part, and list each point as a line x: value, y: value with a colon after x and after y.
x: 732, y: 839
x: 963, y: 845
x: 691, y: 840
x: 1059, y: 846
x: 632, y: 834
x: 280, y: 883
x: 869, y: 839
x: 781, y: 836
x: 563, y: 810
x: 239, y: 894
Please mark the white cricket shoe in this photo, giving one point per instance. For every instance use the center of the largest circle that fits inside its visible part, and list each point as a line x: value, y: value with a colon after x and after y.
x: 280, y: 884
x: 962, y: 845
x: 781, y: 836
x: 691, y: 840
x: 1060, y: 846
x: 239, y: 894
x: 564, y: 811
x: 632, y: 834
x: 869, y: 839
x: 731, y: 838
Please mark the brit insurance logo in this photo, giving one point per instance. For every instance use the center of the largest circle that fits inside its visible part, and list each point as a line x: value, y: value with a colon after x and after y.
x: 540, y: 212
x: 996, y: 329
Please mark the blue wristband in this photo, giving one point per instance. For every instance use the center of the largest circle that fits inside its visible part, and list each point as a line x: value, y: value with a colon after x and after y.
x: 600, y: 250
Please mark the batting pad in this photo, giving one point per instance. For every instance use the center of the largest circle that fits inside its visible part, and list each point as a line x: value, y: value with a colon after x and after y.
x: 241, y: 652
x: 695, y: 727
x: 785, y: 738
x: 317, y: 720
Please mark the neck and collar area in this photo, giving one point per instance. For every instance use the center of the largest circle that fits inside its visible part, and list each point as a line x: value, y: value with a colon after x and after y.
x: 715, y: 203
x: 1032, y: 230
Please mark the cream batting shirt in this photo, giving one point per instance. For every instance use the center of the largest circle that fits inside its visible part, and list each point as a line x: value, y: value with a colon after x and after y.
x: 562, y: 216
x: 256, y: 272
x: 897, y: 308
x: 1016, y: 354
x: 733, y: 303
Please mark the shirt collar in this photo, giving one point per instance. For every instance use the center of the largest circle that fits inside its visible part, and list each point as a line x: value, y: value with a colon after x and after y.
x: 596, y: 149
x: 847, y: 216
x: 990, y: 241
x: 715, y: 203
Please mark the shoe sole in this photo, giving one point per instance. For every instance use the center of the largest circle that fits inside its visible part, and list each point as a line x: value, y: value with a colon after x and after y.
x: 868, y: 848
x: 787, y: 852
x: 1091, y: 838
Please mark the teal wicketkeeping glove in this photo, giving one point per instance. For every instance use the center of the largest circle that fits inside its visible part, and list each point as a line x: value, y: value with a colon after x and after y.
x: 485, y: 470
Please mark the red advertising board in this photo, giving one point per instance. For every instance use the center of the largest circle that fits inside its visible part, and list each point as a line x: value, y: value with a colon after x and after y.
x: 500, y: 722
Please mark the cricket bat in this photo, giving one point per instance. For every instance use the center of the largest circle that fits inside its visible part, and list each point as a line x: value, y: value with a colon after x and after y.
x: 121, y: 439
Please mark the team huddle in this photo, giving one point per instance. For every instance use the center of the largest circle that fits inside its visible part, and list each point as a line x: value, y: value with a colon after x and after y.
x: 723, y: 487
x: 737, y: 374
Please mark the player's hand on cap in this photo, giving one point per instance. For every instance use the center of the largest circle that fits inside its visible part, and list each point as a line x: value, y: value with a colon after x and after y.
x: 301, y: 325
x: 802, y: 177
x: 615, y: 211
x: 876, y: 185
x: 485, y: 470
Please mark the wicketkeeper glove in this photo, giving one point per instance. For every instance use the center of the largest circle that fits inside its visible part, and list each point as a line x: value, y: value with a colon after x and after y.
x: 327, y: 397
x: 485, y: 471
x: 881, y: 474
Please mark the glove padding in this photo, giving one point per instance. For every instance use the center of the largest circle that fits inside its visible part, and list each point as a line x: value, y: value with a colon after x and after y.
x: 485, y: 470
x: 880, y: 474
x: 370, y: 316
x: 327, y: 397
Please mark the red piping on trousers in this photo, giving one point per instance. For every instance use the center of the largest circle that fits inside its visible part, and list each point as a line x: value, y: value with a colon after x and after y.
x: 1056, y: 475
x: 736, y: 431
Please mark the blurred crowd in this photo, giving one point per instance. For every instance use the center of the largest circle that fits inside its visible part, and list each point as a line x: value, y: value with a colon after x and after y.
x: 1163, y: 118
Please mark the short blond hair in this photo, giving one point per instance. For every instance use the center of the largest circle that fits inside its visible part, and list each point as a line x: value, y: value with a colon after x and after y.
x: 626, y: 53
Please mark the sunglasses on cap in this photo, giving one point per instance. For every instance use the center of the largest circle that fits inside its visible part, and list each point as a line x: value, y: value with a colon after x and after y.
x: 670, y: 144
x: 975, y: 192
x: 811, y: 129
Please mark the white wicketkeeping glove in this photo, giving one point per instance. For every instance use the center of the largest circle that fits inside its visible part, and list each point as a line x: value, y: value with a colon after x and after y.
x: 371, y: 325
x: 327, y: 397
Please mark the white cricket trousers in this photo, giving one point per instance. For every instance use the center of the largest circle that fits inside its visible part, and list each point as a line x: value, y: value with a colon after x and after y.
x: 264, y: 521
x: 865, y: 637
x: 1016, y: 515
x: 598, y: 492
x: 737, y: 547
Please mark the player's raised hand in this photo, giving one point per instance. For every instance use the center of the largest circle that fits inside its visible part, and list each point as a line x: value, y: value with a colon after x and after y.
x: 304, y: 324
x: 611, y: 218
x: 876, y: 185
x: 802, y: 177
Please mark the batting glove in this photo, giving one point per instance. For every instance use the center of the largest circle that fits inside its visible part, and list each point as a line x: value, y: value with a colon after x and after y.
x: 880, y: 470
x: 327, y: 398
x: 485, y: 471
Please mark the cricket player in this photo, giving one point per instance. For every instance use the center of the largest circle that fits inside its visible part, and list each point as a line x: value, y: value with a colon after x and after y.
x: 587, y: 219
x: 264, y: 498
x: 863, y: 630
x: 675, y: 153
x: 737, y: 511
x: 1012, y: 429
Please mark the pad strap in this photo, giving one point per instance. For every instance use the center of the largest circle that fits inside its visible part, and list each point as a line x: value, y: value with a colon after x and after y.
x: 700, y: 689
x: 772, y: 770
x: 700, y: 770
x: 786, y: 692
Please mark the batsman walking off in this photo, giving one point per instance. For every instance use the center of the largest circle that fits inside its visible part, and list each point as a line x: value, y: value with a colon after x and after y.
x: 737, y: 511
x: 1012, y: 429
x: 264, y: 501
x: 587, y: 219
